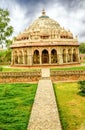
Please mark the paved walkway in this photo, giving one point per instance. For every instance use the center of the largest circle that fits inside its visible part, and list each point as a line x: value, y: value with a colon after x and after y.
x: 44, y: 115
x: 45, y: 72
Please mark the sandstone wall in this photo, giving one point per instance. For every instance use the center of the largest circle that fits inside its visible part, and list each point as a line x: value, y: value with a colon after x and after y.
x: 9, y: 77
x: 67, y: 75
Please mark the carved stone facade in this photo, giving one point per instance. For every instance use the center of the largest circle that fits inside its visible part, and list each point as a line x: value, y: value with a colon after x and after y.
x: 82, y: 57
x: 45, y: 42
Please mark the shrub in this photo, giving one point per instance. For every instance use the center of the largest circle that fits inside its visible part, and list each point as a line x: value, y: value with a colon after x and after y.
x: 1, y: 68
x: 5, y: 57
x: 82, y: 86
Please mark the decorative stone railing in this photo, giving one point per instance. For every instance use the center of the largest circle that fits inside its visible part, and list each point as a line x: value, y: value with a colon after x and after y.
x: 21, y: 74
x: 67, y: 72
x: 8, y: 77
x: 67, y: 75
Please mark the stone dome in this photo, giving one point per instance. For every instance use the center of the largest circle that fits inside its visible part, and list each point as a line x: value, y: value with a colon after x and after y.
x: 44, y: 28
x: 44, y: 25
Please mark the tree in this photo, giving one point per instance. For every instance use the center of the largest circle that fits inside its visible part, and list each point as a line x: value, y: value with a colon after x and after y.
x: 5, y: 29
x: 82, y: 48
x: 5, y: 57
x: 82, y: 86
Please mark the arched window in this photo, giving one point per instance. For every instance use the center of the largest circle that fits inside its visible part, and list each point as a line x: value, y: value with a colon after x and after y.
x: 74, y: 55
x: 53, y: 56
x: 36, y: 57
x: 15, y: 58
x: 45, y: 57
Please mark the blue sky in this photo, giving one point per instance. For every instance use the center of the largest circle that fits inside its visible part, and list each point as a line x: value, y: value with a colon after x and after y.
x: 70, y: 14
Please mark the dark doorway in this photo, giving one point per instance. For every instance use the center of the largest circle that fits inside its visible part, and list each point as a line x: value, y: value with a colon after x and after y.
x: 45, y: 57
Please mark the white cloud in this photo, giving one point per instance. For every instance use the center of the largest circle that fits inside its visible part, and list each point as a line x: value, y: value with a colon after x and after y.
x: 18, y: 19
x: 70, y: 19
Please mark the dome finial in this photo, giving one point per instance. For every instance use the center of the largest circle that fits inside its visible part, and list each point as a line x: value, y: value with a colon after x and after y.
x: 43, y: 12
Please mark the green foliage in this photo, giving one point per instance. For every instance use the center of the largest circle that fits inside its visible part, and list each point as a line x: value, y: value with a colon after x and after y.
x: 82, y: 48
x: 15, y: 105
x: 82, y: 86
x: 5, y: 29
x: 1, y: 68
x: 5, y: 57
x: 71, y: 105
x: 70, y: 68
x: 13, y: 69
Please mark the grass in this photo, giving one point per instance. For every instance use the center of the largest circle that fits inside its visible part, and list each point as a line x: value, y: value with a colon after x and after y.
x: 70, y: 68
x: 71, y: 106
x: 15, y: 105
x: 18, y: 69
x: 24, y: 69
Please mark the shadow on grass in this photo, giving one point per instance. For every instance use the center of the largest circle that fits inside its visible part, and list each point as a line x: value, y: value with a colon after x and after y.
x: 81, y: 93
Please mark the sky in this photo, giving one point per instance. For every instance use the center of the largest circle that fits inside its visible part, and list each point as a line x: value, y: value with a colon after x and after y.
x: 70, y: 14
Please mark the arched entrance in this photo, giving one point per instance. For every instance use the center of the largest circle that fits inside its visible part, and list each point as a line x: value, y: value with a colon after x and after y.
x: 36, y: 57
x: 53, y: 56
x: 15, y: 58
x: 45, y: 57
x: 74, y: 55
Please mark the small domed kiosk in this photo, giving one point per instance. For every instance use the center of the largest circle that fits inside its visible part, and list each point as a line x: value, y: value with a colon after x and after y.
x: 45, y: 42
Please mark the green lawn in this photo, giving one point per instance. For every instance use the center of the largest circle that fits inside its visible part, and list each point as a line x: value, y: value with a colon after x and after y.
x: 70, y: 68
x: 15, y: 105
x: 71, y: 106
x: 18, y: 69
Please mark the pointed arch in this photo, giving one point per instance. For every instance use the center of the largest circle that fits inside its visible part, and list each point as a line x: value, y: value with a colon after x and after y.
x: 45, y: 57
x: 74, y: 55
x: 15, y: 57
x: 36, y: 57
x: 53, y: 56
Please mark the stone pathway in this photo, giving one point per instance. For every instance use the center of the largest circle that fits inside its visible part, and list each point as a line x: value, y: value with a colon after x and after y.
x: 44, y: 115
x: 45, y: 72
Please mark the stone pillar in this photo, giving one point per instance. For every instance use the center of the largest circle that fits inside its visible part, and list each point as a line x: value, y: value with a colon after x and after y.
x: 60, y: 58
x: 49, y: 57
x: 29, y: 57
x: 23, y: 57
x: 18, y: 58
x: 71, y: 57
x: 40, y: 58
x: 66, y: 57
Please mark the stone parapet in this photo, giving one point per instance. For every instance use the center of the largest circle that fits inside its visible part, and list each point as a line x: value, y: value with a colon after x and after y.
x: 9, y: 77
x: 68, y: 75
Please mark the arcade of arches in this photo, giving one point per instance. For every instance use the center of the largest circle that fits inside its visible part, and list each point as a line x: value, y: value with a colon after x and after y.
x: 45, y: 56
